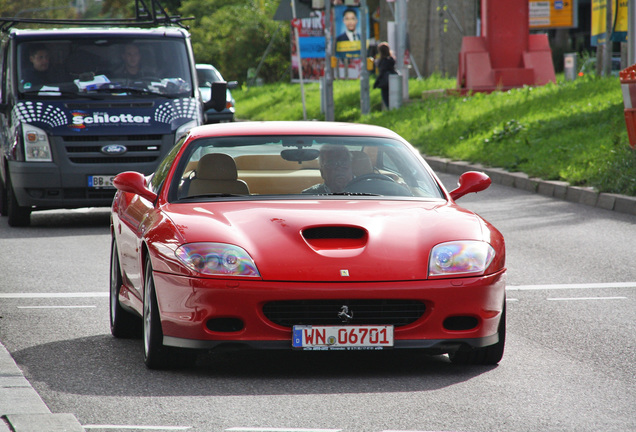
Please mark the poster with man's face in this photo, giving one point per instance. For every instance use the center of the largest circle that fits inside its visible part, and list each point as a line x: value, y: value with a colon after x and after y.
x: 348, y: 28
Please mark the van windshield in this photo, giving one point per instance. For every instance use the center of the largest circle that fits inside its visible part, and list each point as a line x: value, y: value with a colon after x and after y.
x: 121, y: 66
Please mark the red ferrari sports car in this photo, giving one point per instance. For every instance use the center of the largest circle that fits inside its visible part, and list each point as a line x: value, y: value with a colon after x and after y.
x: 307, y: 236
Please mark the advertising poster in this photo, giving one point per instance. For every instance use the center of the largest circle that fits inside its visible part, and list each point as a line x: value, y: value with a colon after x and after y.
x: 599, y: 21
x: 311, y: 38
x: 347, y: 29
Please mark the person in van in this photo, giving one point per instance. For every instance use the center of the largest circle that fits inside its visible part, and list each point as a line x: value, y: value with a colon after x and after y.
x: 132, y: 68
x: 39, y: 71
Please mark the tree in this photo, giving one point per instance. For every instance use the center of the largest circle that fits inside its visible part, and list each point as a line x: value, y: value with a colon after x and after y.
x: 53, y: 9
x: 233, y: 35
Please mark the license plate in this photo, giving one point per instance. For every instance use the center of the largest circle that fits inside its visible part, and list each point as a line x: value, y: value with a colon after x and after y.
x: 342, y: 337
x: 100, y: 181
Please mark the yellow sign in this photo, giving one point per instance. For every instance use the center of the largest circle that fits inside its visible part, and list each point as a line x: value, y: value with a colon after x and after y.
x: 599, y: 21
x: 552, y: 13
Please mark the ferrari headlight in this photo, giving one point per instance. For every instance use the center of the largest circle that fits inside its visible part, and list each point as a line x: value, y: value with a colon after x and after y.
x: 36, y: 144
x: 460, y: 257
x: 218, y: 259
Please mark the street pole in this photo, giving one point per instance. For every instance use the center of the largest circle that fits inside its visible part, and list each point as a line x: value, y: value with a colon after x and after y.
x: 607, y: 52
x: 365, y: 102
x: 631, y: 33
x: 328, y: 78
x: 401, y: 24
x: 300, y: 64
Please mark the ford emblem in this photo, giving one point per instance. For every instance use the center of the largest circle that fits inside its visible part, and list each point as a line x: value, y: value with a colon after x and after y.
x: 114, y: 149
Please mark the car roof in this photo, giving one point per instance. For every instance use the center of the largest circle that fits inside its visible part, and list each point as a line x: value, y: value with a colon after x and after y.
x: 204, y: 66
x: 98, y: 32
x: 292, y: 128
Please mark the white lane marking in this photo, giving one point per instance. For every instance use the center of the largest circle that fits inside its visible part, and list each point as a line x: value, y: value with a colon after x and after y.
x: 585, y: 298
x: 56, y: 307
x: 53, y: 295
x: 572, y: 286
x: 242, y: 429
x: 135, y: 427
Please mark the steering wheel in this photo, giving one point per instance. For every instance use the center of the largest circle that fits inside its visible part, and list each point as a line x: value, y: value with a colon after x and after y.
x: 377, y: 184
x: 367, y: 177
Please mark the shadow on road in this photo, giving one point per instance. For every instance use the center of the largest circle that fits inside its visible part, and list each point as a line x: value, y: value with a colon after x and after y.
x: 103, y: 365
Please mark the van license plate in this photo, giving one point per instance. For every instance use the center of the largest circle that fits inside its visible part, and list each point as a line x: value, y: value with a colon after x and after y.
x: 100, y: 181
x: 342, y: 337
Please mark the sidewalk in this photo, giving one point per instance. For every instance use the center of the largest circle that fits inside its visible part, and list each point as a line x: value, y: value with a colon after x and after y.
x: 555, y: 189
x: 22, y: 409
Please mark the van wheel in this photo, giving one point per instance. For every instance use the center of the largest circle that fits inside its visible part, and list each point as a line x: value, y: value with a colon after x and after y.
x: 3, y: 199
x: 19, y: 216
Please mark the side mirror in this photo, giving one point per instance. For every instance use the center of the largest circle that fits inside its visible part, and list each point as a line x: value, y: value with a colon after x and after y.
x: 218, y: 97
x: 134, y: 182
x: 232, y: 85
x: 471, y: 181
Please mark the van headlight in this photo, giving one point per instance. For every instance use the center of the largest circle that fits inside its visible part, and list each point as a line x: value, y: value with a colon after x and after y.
x: 36, y: 144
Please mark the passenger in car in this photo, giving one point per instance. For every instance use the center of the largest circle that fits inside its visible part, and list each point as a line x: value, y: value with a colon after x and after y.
x: 335, y: 169
x: 134, y: 67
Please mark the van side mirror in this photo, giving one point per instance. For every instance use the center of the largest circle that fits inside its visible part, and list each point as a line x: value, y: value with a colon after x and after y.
x: 218, y: 97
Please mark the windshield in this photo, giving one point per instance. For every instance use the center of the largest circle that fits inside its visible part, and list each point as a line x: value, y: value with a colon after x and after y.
x: 104, y: 66
x: 300, y: 166
x: 208, y: 76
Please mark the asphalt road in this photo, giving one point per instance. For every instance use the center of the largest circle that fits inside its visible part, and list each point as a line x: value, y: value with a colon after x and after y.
x: 570, y: 361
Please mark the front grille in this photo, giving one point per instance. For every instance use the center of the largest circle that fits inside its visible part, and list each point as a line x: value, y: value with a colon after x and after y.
x: 325, y: 312
x: 111, y: 138
x: 87, y: 149
x: 113, y: 160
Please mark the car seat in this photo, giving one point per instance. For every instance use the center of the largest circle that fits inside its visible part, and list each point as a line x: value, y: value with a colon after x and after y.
x: 216, y: 173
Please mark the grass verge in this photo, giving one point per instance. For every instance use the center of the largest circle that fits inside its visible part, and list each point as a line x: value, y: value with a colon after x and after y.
x: 572, y: 131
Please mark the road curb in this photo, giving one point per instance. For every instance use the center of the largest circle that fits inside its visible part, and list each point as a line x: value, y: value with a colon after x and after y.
x: 22, y: 409
x: 555, y: 189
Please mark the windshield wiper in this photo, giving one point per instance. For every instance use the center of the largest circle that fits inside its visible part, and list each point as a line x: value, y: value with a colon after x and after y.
x: 50, y: 93
x: 352, y: 194
x: 133, y: 90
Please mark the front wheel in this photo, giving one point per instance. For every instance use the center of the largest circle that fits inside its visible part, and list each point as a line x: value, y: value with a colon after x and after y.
x: 19, y: 216
x: 156, y: 355
x: 490, y: 355
x: 123, y: 323
x: 3, y: 199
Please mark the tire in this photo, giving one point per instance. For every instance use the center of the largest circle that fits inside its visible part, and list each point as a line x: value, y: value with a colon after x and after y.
x: 156, y: 354
x: 18, y: 216
x: 490, y: 355
x: 3, y: 199
x: 123, y: 323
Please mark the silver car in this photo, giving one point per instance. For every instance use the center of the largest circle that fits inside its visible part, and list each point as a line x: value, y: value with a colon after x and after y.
x: 207, y: 74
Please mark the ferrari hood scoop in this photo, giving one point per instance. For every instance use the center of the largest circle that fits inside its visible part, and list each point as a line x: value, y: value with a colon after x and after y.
x: 336, y: 241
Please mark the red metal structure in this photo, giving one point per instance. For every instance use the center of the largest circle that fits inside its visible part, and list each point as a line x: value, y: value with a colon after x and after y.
x: 506, y: 55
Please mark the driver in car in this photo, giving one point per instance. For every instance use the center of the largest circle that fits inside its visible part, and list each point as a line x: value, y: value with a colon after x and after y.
x: 335, y: 169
